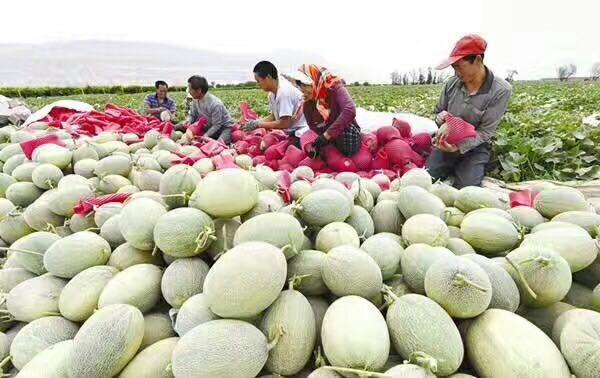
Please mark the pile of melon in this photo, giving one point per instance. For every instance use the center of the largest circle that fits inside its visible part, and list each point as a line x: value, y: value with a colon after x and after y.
x: 210, y: 273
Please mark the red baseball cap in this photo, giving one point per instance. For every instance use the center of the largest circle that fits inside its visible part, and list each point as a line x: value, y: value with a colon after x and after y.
x: 471, y: 44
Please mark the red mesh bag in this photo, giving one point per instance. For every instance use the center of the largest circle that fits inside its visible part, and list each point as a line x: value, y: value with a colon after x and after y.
x: 87, y: 205
x: 273, y: 164
x: 253, y: 140
x: 247, y: 113
x: 369, y: 141
x: 283, y: 185
x: 399, y: 152
x: 363, y: 158
x: 459, y: 129
x: 421, y: 143
x: 387, y: 133
x: 522, y: 198
x: 223, y: 161
x: 197, y: 128
x: 364, y: 174
x: 254, y: 150
x: 271, y: 139
x: 212, y: 147
x: 407, y: 168
x: 187, y: 160
x: 277, y: 151
x: 337, y: 161
x: 257, y: 160
x: 259, y: 132
x: 316, y: 164
x: 381, y: 160
x: 307, y: 140
x: 237, y: 135
x: 403, y: 127
x: 294, y: 155
x: 167, y: 129
x: 285, y: 167
x: 241, y: 146
x: 29, y: 146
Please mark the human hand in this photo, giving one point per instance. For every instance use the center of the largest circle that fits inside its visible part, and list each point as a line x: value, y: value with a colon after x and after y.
x: 440, y: 118
x: 252, y: 125
x: 441, y: 134
x: 444, y: 146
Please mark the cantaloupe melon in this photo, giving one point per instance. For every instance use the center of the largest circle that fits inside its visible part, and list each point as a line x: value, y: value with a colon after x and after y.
x: 580, y: 345
x: 544, y: 317
x: 225, y: 230
x: 348, y: 270
x: 107, y: 341
x: 53, y: 154
x: 192, y: 313
x: 79, y: 222
x: 445, y: 192
x: 459, y: 247
x: 472, y: 197
x: 13, y: 227
x: 111, y: 233
x: 153, y: 361
x: 488, y: 233
x: 30, y: 249
x: 453, y: 216
x: 209, y: 350
x: 361, y: 221
x: 364, y: 199
x: 184, y: 232
x: 46, y: 176
x: 23, y: 194
x: 260, y: 271
x: 183, y: 279
x: 334, y: 235
x: 138, y: 218
x: 307, y: 265
x: 51, y: 362
x: 415, y: 200
x: 526, y: 216
x: 138, y: 285
x: 415, y: 262
x: 127, y: 255
x: 426, y: 229
x: 73, y: 254
x: 505, y: 293
x: 387, y: 217
x: 35, y: 298
x: 416, y: 177
x: 11, y: 277
x: 157, y: 326
x: 386, y: 253
x: 389, y: 195
x: 64, y: 199
x: 113, y: 165
x: 324, y: 206
x: 179, y: 179
x: 552, y: 202
x: 299, y: 189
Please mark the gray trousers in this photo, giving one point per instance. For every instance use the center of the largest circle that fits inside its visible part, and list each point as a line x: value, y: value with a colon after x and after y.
x: 467, y: 169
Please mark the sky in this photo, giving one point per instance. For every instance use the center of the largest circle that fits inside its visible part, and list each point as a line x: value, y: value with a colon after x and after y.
x: 359, y: 40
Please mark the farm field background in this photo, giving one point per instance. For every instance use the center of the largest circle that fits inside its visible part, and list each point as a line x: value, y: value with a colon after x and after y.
x: 542, y: 136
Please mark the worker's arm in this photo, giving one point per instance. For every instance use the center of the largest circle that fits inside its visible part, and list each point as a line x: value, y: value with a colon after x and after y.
x: 282, y: 124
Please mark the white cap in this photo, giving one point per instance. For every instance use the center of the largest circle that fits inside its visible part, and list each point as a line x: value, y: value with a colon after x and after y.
x: 295, y: 76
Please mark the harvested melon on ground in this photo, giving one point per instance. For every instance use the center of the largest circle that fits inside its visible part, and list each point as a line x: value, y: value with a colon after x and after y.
x: 471, y: 198
x: 127, y: 255
x: 50, y: 362
x: 184, y: 232
x: 35, y: 298
x: 107, y: 341
x: 361, y: 221
x: 445, y: 192
x: 324, y: 206
x: 183, y: 279
x: 426, y: 229
x: 453, y: 216
x: 336, y: 234
x: 505, y: 293
x: 587, y: 220
x: 389, y: 195
x: 500, y: 343
x: 291, y: 322
x: 552, y: 202
x: 64, y: 199
x: 209, y: 350
x: 111, y: 233
x: 525, y: 216
x: 153, y: 361
x: 279, y: 229
x: 138, y: 218
x: 138, y: 286
x: 306, y: 266
x: 79, y: 223
x: 37, y: 336
x: 179, y: 179
x: 157, y: 326
x: 11, y: 277
x: 192, y: 313
x: 299, y: 189
x: 245, y: 280
x: 23, y: 194
x: 79, y: 298
x: 580, y: 345
x: 364, y: 198
x: 328, y: 183
x: 460, y: 286
x: 13, y: 227
x: 29, y: 250
x: 52, y: 154
x: 354, y: 335
x: 421, y: 330
x: 73, y: 254
x: 542, y: 275
x: 489, y: 234
x: 225, y: 230
x: 387, y: 217
x: 414, y: 200
x: 415, y: 262
x: 417, y: 177
x: 348, y: 270
x: 46, y: 176
x: 386, y: 253
x: 459, y: 247
x: 226, y: 193
x: 269, y: 201
x: 579, y: 296
x: 544, y: 317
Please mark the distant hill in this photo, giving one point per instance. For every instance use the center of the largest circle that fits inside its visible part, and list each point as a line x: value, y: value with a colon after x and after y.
x: 80, y: 63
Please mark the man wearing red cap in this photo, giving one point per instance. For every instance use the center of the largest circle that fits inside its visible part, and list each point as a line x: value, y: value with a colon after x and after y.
x: 473, y: 96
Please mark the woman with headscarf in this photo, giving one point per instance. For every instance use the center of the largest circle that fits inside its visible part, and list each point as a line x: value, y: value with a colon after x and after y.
x: 329, y: 109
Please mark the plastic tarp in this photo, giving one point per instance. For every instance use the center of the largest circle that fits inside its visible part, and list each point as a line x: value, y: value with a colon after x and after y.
x: 78, y: 106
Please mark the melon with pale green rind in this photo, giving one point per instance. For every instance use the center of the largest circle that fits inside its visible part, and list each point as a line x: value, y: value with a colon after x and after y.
x: 387, y: 217
x: 361, y: 221
x: 184, y: 232
x: 73, y: 254
x: 334, y: 235
x: 324, y: 206
x: 426, y: 229
x: 414, y: 200
x: 445, y: 192
x: 489, y: 233
x: 153, y: 361
x: 23, y: 194
x: 138, y: 285
x: 416, y: 260
x: 29, y: 250
x: 386, y: 253
x: 182, y: 279
x: 65, y: 198
x: 179, y: 179
x: 35, y: 298
x: 138, y: 218
x: 307, y: 265
x: 551, y: 202
x: 126, y: 255
x: 52, y: 361
x: 472, y: 197
x: 157, y: 326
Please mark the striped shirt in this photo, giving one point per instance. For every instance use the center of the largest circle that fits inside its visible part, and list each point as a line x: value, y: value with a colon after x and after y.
x: 153, y: 102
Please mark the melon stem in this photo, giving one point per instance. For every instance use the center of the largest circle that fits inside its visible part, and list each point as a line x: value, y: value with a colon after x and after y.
x: 387, y: 291
x: 5, y: 361
x: 21, y: 250
x: 424, y: 360
x: 460, y: 280
x: 360, y: 373
x: 275, y: 340
x: 297, y: 280
x: 319, y: 359
x: 522, y: 278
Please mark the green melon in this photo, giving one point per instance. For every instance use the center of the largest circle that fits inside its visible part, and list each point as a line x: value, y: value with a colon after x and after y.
x: 11, y: 277
x: 51, y: 362
x: 113, y: 165
x: 471, y: 198
x: 302, y: 173
x: 453, y: 216
x: 79, y: 298
x: 37, y: 336
x: 324, y: 206
x: 415, y: 200
x: 585, y: 219
x: 179, y: 179
x: 555, y: 226
x: 10, y: 150
x: 552, y: 202
x: 73, y: 254
x: 307, y: 265
x: 65, y: 198
x: 13, y: 227
x: 138, y: 218
x: 39, y: 217
x: 526, y: 216
x: 107, y: 341
x: 184, y: 232
x: 112, y: 183
x: 580, y: 345
x: 204, y: 166
x: 29, y: 250
x: 389, y: 195
x: 279, y: 229
x: 183, y: 279
x: 426, y: 229
x: 354, y: 335
x: 24, y: 171
x: 153, y: 361
x: 157, y: 326
x: 192, y: 313
x: 138, y: 285
x: 459, y: 247
x: 488, y: 233
x: 85, y: 167
x: 23, y: 194
x: 126, y: 255
x: 225, y: 230
x: 79, y: 223
x: 369, y: 185
x: 416, y: 177
x: 319, y: 307
x: 361, y: 221
x: 386, y: 253
x: 53, y: 154
x: 226, y: 193
x: 364, y: 199
x: 415, y: 262
x: 579, y: 296
x: 12, y: 163
x: 500, y: 343
x: 544, y: 317
x: 268, y: 202
x: 543, y: 276
x: 147, y: 179
x: 331, y: 184
x: 460, y: 286
x: 260, y: 271
x: 299, y: 189
x: 445, y: 192
x: 35, y: 298
x: 505, y: 293
x: 106, y: 211
x: 387, y: 217
x: 85, y: 151
x: 5, y: 182
x: 291, y: 319
x: 348, y: 270
x: 221, y: 355
x: 69, y: 181
x: 334, y: 235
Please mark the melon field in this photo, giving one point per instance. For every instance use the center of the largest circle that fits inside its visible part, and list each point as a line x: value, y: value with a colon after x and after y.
x: 119, y: 260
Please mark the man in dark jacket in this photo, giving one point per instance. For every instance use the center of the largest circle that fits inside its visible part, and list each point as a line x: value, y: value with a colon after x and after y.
x: 476, y: 96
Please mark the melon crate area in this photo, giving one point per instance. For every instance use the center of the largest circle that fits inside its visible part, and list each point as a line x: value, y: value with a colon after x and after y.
x: 129, y: 252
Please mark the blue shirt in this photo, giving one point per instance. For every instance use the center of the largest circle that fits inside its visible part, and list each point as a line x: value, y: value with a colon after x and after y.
x: 153, y: 102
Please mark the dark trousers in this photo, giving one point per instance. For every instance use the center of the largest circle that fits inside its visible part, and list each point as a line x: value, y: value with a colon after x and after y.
x: 467, y: 169
x: 223, y: 134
